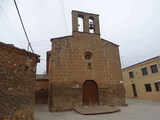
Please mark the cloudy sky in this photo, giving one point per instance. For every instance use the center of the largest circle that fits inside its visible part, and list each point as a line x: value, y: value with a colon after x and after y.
x: 132, y: 24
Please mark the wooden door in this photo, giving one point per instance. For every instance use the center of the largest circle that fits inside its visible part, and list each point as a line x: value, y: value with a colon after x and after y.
x: 90, y: 93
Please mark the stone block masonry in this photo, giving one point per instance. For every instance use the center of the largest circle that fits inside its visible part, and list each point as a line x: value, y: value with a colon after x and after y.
x: 84, y: 69
x: 41, y: 89
x: 17, y: 83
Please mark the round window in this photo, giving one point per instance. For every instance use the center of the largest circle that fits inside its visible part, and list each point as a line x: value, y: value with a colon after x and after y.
x: 88, y: 55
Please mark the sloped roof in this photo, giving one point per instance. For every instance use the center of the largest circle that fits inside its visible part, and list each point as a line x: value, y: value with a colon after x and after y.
x: 142, y: 62
x: 109, y: 42
x: 61, y: 37
x: 12, y: 47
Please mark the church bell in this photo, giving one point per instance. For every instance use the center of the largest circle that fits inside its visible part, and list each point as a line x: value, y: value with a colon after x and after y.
x: 91, y: 25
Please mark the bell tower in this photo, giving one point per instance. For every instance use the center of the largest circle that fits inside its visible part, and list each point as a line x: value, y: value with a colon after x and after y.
x: 89, y: 22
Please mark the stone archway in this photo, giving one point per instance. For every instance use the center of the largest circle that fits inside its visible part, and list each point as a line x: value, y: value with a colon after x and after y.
x: 90, y: 93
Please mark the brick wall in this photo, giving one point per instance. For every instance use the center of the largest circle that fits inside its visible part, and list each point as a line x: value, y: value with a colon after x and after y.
x: 17, y: 83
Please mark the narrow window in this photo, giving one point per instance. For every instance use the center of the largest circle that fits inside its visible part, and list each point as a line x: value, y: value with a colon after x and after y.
x: 148, y: 87
x: 80, y: 24
x: 154, y: 68
x: 91, y: 26
x: 156, y: 86
x: 131, y: 75
x: 144, y: 71
x: 88, y: 57
x: 89, y: 65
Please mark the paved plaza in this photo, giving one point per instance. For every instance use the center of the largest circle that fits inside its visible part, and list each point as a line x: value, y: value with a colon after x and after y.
x: 137, y: 109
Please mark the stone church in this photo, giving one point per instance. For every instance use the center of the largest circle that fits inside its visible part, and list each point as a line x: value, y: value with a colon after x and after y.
x: 83, y: 68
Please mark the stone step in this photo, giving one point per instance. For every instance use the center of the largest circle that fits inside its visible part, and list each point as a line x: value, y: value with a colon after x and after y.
x: 94, y: 110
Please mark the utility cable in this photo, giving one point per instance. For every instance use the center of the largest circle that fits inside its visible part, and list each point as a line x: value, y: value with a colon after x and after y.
x: 10, y: 25
x: 64, y: 17
x: 29, y: 44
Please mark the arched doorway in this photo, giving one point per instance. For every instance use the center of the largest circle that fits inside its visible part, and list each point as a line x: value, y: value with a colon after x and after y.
x: 90, y: 93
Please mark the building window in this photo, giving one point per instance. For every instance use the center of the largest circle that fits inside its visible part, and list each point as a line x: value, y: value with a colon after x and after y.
x: 88, y: 55
x: 89, y: 65
x: 144, y: 71
x: 131, y: 75
x: 148, y: 87
x: 156, y: 86
x: 154, y: 69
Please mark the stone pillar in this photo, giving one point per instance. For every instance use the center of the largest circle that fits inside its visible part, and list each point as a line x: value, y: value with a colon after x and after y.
x: 96, y: 25
x: 86, y: 24
x: 74, y: 21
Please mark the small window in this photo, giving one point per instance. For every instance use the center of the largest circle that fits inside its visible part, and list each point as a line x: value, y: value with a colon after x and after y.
x: 131, y: 75
x: 89, y: 65
x: 144, y: 71
x: 156, y: 86
x: 88, y: 55
x: 148, y: 87
x: 154, y: 69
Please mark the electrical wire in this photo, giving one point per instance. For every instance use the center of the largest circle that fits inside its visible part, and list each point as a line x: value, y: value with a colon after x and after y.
x: 43, y: 59
x: 41, y: 45
x: 10, y: 25
x: 29, y: 44
x: 63, y: 12
x: 39, y: 41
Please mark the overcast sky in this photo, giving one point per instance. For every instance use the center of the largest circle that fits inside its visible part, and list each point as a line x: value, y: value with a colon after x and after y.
x: 132, y: 24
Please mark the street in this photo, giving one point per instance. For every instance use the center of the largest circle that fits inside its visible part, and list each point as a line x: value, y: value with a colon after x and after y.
x: 137, y: 109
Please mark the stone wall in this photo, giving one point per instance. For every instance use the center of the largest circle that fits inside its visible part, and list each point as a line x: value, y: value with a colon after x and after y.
x: 17, y: 83
x: 68, y: 68
x: 41, y: 90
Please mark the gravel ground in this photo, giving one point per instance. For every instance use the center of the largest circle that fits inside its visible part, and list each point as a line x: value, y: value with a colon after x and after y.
x: 137, y: 109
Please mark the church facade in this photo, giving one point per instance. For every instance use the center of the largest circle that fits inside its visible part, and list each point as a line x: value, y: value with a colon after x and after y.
x: 83, y: 68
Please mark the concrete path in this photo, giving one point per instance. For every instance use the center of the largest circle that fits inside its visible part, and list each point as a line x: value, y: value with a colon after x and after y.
x: 137, y: 109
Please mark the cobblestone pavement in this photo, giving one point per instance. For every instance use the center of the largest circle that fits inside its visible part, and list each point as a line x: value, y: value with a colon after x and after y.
x: 137, y: 109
